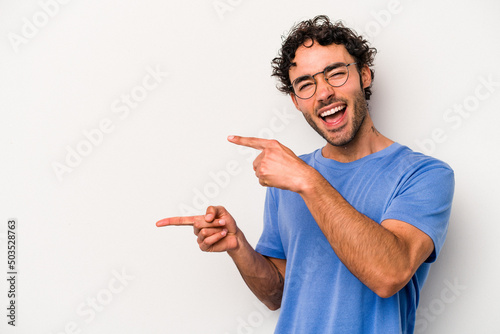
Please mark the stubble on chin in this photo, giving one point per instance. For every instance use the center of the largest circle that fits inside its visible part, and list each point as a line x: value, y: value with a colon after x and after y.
x: 341, y: 137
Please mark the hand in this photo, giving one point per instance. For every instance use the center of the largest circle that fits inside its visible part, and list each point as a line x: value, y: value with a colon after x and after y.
x: 276, y: 166
x: 216, y: 230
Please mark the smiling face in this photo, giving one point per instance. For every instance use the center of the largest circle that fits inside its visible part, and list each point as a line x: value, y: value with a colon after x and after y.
x: 336, y: 113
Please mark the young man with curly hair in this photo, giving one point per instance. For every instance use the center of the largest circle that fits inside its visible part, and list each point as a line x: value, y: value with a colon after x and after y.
x: 350, y: 230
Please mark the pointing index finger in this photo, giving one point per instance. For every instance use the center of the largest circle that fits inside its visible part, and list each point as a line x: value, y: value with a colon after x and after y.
x: 180, y: 221
x: 253, y: 142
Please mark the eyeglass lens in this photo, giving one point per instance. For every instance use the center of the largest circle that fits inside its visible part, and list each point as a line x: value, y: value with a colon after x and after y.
x: 336, y: 75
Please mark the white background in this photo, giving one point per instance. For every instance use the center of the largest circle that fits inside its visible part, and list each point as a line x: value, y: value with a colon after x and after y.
x: 78, y: 231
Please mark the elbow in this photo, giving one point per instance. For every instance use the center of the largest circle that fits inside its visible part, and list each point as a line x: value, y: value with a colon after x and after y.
x: 386, y: 291
x: 273, y: 301
x: 272, y: 305
x: 391, y: 284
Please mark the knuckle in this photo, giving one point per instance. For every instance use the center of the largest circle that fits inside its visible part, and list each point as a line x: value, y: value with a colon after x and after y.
x: 262, y: 169
x: 205, y: 247
x: 274, y: 143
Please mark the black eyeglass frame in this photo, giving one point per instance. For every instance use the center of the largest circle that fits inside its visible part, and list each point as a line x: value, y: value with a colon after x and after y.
x: 324, y: 76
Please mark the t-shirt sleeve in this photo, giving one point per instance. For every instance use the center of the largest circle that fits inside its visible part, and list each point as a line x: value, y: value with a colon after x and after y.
x: 424, y: 201
x: 270, y: 241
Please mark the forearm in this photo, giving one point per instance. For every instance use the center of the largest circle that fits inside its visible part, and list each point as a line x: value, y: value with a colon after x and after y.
x: 371, y: 252
x: 260, y: 274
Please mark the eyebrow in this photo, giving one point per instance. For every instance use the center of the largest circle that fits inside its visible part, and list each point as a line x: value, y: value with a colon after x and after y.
x: 335, y: 65
x: 301, y: 78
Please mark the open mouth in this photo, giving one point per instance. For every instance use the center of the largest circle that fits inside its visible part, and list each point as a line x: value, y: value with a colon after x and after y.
x: 333, y: 115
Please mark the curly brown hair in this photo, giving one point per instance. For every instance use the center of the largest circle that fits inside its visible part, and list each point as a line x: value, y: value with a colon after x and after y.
x: 321, y: 30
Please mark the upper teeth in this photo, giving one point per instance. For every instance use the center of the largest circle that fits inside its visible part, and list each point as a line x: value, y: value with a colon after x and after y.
x: 331, y: 111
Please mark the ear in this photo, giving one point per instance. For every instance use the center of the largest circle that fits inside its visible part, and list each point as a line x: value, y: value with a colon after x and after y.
x: 295, y: 101
x: 366, y: 76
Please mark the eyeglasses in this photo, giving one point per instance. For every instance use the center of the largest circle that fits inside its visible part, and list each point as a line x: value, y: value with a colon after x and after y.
x: 335, y: 75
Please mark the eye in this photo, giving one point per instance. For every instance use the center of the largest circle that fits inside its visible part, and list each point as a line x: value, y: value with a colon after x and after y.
x: 338, y: 72
x: 305, y: 85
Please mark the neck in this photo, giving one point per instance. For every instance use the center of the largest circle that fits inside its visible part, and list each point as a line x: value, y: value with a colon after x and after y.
x: 366, y: 141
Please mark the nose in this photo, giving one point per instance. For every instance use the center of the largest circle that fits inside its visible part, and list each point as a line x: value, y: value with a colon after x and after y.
x: 324, y: 90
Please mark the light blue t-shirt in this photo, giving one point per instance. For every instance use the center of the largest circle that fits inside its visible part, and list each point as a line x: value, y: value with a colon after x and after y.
x: 320, y: 294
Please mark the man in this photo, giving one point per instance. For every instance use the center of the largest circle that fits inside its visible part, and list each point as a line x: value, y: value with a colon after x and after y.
x: 350, y: 230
